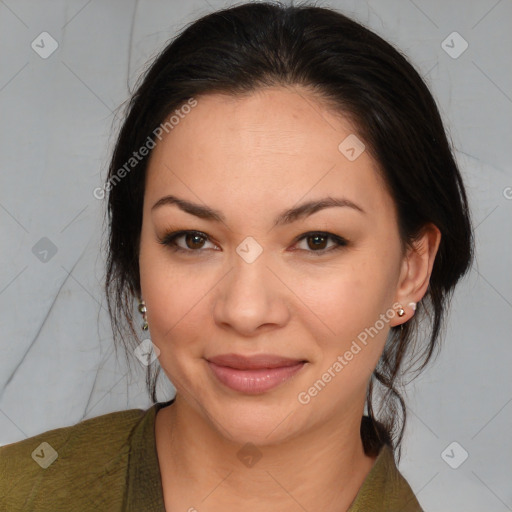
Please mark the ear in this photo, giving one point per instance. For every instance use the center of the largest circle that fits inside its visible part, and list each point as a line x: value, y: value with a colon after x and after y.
x: 415, y: 272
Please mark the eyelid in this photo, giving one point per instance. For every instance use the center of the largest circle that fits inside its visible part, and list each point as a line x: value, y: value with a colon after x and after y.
x: 169, y: 238
x: 339, y: 240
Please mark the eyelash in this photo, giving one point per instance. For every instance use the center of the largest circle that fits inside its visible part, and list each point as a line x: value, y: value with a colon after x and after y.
x: 169, y: 240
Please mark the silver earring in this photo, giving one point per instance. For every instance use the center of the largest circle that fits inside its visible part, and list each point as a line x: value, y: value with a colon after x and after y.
x: 142, y: 310
x: 401, y: 311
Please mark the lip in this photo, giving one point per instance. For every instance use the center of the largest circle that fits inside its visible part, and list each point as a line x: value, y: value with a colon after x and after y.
x: 256, y: 362
x: 254, y: 374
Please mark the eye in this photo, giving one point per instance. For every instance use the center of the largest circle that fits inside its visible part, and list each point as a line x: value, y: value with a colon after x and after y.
x: 195, y: 240
x: 317, y: 242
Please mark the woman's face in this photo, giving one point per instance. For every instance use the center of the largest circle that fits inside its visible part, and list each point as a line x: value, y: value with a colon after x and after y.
x: 253, y: 283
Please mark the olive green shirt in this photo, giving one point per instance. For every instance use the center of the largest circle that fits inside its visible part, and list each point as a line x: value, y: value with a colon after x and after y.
x: 110, y: 463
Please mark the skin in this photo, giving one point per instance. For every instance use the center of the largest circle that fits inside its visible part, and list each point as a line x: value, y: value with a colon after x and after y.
x: 251, y: 158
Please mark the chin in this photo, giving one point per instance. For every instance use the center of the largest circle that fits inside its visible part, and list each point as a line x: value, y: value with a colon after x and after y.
x: 259, y: 421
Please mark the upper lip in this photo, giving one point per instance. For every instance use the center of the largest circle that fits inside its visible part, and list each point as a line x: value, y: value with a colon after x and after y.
x: 259, y: 361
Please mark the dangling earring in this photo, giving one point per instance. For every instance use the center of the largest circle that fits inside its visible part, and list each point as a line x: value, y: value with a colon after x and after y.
x: 401, y: 311
x: 143, y: 309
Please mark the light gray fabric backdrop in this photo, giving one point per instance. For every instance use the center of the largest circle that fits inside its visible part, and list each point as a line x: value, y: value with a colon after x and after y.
x: 57, y: 362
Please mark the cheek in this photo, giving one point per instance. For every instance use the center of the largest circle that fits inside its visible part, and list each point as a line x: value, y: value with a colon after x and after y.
x: 170, y: 294
x: 177, y: 299
x: 353, y: 295
x: 354, y: 303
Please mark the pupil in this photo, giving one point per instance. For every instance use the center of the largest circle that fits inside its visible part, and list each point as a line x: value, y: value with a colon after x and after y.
x: 317, y: 238
x: 194, y: 238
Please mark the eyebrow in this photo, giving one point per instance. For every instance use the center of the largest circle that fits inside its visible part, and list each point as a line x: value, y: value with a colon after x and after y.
x: 285, y: 217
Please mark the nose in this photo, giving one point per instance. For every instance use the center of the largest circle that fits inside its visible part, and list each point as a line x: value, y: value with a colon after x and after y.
x: 252, y: 297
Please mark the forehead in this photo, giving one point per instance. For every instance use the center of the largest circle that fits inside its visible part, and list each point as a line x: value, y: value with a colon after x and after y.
x: 274, y: 145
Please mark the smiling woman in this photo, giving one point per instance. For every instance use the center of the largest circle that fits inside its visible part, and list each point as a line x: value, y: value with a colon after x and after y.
x: 285, y: 238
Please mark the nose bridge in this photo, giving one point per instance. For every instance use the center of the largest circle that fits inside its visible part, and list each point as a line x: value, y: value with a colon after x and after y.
x: 250, y: 276
x: 249, y: 295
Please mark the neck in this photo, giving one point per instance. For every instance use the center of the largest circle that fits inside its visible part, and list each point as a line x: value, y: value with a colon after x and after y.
x: 322, y: 469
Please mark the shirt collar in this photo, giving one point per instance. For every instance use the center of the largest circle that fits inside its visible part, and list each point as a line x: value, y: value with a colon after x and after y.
x: 144, y: 483
x: 383, y: 486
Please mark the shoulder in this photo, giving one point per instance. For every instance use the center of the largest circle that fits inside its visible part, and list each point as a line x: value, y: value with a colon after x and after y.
x: 69, y: 465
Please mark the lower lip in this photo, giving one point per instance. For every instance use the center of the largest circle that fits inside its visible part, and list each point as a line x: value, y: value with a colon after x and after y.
x: 253, y: 382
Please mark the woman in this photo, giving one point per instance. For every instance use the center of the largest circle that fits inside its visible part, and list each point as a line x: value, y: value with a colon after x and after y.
x: 284, y: 204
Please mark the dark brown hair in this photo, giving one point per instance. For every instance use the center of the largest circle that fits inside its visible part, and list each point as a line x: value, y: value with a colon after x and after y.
x: 254, y: 45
